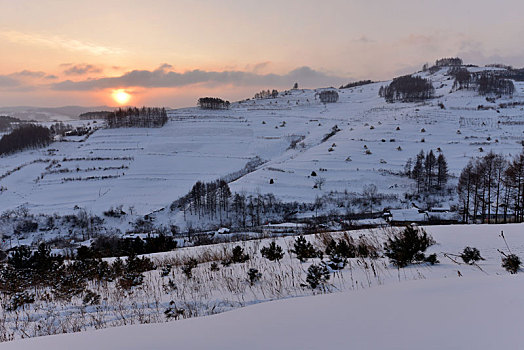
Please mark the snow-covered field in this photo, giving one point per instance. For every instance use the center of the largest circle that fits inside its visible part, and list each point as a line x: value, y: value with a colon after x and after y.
x: 149, y: 168
x: 373, y: 305
x: 469, y: 313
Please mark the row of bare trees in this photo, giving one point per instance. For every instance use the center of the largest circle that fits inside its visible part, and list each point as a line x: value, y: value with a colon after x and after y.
x: 214, y: 201
x: 145, y: 117
x: 24, y: 137
x: 486, y: 83
x: 206, y: 199
x: 430, y: 172
x: 266, y: 94
x: 407, y: 89
x: 491, y: 189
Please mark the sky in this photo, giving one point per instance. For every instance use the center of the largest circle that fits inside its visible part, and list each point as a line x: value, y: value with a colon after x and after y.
x: 170, y: 52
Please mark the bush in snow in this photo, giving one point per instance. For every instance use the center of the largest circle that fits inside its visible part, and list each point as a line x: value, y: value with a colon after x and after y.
x: 19, y: 300
x: 342, y: 248
x: 139, y: 265
x: 173, y: 311
x: 407, y: 247
x: 338, y: 253
x: 130, y: 280
x: 317, y: 275
x: 511, y: 263
x: 188, y: 267
x: 254, y: 275
x: 166, y: 270
x: 273, y: 252
x: 91, y: 298
x: 238, y: 255
x: 214, y: 267
x: 471, y: 255
x: 304, y: 249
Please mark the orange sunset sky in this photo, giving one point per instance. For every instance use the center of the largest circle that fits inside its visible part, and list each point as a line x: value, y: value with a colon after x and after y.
x: 169, y: 53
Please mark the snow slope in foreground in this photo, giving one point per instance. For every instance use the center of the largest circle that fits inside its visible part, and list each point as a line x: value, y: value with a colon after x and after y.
x: 459, y: 313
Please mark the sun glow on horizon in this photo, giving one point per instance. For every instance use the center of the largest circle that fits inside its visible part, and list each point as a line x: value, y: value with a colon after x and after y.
x: 121, y: 96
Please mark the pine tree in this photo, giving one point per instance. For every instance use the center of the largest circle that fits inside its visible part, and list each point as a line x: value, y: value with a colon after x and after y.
x: 429, y: 167
x: 418, y: 170
x: 442, y: 171
x: 272, y: 252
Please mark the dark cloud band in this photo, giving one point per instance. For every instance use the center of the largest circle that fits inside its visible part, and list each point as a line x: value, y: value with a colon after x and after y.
x: 163, y: 77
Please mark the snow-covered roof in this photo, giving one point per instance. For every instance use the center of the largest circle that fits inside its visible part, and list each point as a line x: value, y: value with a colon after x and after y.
x: 440, y: 209
x: 448, y: 216
x: 286, y: 224
x: 412, y: 214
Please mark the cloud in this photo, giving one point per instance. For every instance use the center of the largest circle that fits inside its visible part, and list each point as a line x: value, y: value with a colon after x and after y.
x: 59, y: 42
x: 25, y: 80
x: 29, y: 74
x: 163, y: 77
x: 81, y: 69
x: 8, y: 81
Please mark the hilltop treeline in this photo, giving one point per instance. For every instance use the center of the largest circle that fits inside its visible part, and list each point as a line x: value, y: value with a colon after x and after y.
x: 6, y: 121
x: 492, y: 187
x: 485, y: 83
x: 212, y: 103
x: 266, y: 94
x: 448, y: 61
x: 23, y: 137
x: 145, y: 117
x: 355, y: 84
x: 407, y: 89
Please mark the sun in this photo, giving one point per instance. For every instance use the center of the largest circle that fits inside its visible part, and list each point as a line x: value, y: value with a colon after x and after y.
x: 120, y: 96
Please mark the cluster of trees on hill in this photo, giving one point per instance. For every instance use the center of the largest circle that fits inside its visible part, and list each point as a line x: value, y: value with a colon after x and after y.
x: 60, y: 128
x: 214, y: 200
x: 207, y: 199
x: 489, y: 83
x: 430, y: 172
x: 490, y: 186
x: 212, y: 103
x: 6, y: 122
x: 266, y: 94
x: 355, y: 84
x: 462, y: 77
x: 515, y: 74
x: 448, y: 61
x: 407, y: 89
x: 23, y: 137
x: 328, y: 96
x: 145, y: 117
x: 485, y: 83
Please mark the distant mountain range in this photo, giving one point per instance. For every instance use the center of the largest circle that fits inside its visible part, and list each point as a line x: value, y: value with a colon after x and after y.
x: 43, y: 114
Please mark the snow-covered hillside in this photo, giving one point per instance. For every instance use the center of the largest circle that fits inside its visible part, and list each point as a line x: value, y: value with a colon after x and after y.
x: 149, y: 168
